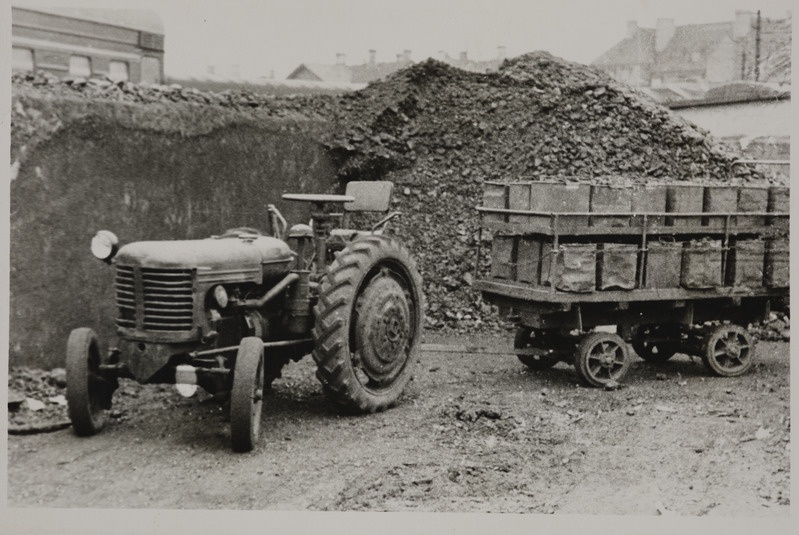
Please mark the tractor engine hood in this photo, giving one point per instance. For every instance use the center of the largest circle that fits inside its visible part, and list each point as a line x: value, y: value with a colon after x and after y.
x: 217, y: 259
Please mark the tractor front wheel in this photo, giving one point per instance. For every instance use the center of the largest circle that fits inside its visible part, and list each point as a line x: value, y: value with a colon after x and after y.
x: 88, y: 392
x: 247, y: 394
x: 368, y: 324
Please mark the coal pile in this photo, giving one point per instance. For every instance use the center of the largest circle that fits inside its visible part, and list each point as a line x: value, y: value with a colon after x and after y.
x: 538, y: 116
x: 439, y: 132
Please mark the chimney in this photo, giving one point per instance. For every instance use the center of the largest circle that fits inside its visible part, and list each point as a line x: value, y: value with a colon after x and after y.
x: 501, y: 52
x: 372, y: 55
x: 742, y: 25
x: 664, y: 31
x: 406, y: 55
x: 442, y: 56
x: 399, y: 58
x: 632, y: 28
x: 341, y: 59
x: 462, y: 56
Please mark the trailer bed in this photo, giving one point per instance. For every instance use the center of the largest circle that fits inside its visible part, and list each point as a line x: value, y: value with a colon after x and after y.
x: 591, y: 261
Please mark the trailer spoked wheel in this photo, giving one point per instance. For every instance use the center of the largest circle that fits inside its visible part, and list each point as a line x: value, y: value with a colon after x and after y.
x: 601, y: 358
x: 88, y: 392
x: 728, y: 350
x: 542, y: 356
x: 656, y: 343
x: 247, y: 394
x: 368, y: 323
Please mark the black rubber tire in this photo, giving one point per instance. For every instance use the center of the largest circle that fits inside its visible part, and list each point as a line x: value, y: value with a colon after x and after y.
x: 246, y: 395
x: 656, y: 353
x: 589, y: 360
x: 368, y: 324
x: 728, y: 351
x: 87, y: 396
x: 526, y: 338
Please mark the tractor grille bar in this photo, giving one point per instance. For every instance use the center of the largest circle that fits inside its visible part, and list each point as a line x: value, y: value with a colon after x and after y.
x: 165, y: 295
x: 126, y: 297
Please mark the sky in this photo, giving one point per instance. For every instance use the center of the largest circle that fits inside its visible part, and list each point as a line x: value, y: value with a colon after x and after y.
x: 275, y: 36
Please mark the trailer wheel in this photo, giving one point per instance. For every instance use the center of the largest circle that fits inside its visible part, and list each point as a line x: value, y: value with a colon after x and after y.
x: 655, y: 343
x: 601, y: 358
x: 88, y: 392
x: 529, y: 338
x: 246, y: 396
x: 368, y: 323
x: 728, y: 350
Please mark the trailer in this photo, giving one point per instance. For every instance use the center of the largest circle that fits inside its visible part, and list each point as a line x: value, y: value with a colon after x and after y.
x: 586, y: 269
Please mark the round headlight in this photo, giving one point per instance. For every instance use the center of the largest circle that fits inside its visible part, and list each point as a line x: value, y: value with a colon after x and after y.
x: 220, y: 294
x: 104, y: 245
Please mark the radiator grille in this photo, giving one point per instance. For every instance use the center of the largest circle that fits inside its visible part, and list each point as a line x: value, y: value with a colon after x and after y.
x: 166, y: 295
x: 126, y: 297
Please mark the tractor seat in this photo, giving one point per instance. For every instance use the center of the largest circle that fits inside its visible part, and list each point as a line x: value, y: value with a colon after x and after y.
x: 370, y: 196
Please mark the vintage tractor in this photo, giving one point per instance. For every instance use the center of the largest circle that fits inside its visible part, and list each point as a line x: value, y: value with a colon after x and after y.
x: 226, y: 313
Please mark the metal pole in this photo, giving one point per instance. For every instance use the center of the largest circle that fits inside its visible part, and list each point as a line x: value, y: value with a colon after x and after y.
x: 220, y: 350
x: 757, y: 48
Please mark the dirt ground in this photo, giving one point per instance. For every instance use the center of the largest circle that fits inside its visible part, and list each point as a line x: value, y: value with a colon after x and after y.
x: 474, y: 433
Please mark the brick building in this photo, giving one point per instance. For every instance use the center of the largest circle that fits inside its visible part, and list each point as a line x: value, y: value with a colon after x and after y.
x: 121, y: 44
x: 748, y: 48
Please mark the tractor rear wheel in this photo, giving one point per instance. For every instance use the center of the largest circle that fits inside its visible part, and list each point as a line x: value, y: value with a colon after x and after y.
x: 368, y: 324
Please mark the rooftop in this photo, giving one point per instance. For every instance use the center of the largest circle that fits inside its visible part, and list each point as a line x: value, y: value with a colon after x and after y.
x: 136, y: 19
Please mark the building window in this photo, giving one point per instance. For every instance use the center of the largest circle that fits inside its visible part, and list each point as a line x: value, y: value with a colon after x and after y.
x: 118, y: 71
x: 21, y: 60
x: 80, y: 66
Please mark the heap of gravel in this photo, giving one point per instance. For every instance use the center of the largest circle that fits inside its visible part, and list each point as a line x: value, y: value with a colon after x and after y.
x: 438, y: 132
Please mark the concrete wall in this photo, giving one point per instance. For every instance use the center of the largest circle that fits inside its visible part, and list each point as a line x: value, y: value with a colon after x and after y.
x: 751, y: 119
x: 167, y: 178
x: 760, y: 130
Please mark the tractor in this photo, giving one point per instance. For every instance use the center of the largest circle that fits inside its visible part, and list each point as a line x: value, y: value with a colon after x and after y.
x: 226, y: 313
